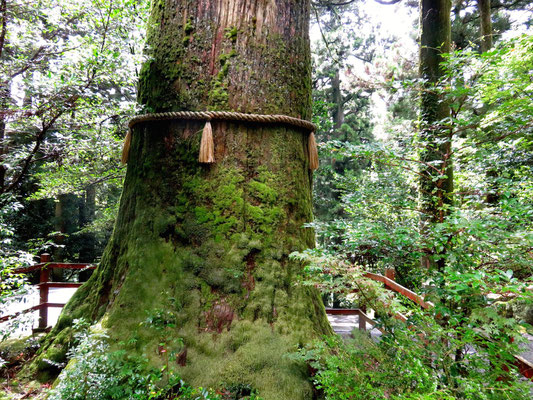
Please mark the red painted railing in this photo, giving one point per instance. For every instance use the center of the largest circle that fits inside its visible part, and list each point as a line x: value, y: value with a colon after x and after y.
x: 524, y: 366
x: 45, y: 266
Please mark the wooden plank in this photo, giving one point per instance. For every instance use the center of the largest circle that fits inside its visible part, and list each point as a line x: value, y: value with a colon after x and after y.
x: 524, y: 366
x: 25, y: 270
x: 60, y: 284
x: 342, y: 311
x: 34, y: 308
x: 71, y: 266
x: 53, y: 305
x: 36, y: 267
x: 8, y: 317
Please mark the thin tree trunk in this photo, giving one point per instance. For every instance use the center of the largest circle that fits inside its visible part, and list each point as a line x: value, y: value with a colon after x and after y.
x: 337, y: 100
x: 337, y: 166
x: 4, y: 107
x: 486, y: 44
x: 209, y: 245
x: 436, y: 184
x: 486, y: 25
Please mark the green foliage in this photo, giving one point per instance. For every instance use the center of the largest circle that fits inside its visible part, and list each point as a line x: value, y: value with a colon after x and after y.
x: 97, y: 372
x: 12, y: 284
x: 70, y: 67
x: 360, y: 369
x: 462, y: 347
x: 476, y: 250
x: 67, y: 78
x: 404, y: 366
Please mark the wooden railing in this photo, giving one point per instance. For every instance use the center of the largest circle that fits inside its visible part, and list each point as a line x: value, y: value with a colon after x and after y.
x: 524, y: 366
x: 45, y: 266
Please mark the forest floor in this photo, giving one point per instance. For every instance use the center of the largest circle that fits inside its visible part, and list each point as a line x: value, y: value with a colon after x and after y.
x: 343, y: 325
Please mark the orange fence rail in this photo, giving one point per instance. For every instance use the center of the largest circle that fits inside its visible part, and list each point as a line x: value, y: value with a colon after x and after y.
x: 524, y: 366
x: 45, y: 266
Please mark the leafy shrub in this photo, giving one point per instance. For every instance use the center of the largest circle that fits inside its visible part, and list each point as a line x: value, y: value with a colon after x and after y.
x: 403, y: 367
x: 97, y: 373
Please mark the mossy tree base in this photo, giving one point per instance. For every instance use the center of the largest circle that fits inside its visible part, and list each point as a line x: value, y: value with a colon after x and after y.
x: 198, y: 264
x: 199, y: 259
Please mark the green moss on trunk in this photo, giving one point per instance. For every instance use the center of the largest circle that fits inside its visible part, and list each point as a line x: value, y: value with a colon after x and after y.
x: 199, y: 258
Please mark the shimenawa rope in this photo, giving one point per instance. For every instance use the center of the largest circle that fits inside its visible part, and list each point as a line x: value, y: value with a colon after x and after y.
x: 207, y: 154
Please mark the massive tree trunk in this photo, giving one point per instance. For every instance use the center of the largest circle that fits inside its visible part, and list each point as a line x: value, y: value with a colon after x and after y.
x: 436, y: 182
x: 208, y: 245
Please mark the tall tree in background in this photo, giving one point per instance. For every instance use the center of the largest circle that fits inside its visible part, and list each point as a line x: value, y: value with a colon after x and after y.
x: 341, y: 107
x: 485, y: 24
x: 436, y: 174
x: 483, y: 21
x: 203, y: 250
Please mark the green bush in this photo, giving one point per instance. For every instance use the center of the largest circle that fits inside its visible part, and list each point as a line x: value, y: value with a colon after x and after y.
x: 402, y: 367
x: 94, y: 372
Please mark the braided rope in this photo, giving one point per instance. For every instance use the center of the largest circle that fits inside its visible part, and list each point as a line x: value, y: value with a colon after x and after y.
x: 224, y: 116
x: 207, y: 154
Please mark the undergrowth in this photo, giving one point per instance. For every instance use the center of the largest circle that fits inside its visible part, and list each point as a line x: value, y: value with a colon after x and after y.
x: 95, y: 372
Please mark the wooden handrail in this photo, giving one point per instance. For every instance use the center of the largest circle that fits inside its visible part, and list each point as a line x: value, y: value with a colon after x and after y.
x: 389, y: 283
x: 33, y: 308
x: 51, y: 265
x: 44, y: 267
x: 60, y: 284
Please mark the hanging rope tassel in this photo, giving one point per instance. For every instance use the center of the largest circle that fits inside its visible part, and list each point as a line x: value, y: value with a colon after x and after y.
x: 207, y: 146
x: 126, y: 147
x: 313, y: 152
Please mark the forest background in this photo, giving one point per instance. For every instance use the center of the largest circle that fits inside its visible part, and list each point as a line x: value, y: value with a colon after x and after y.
x: 68, y: 83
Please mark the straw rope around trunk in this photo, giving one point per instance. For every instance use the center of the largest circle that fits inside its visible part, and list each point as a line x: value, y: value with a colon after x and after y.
x: 207, y: 153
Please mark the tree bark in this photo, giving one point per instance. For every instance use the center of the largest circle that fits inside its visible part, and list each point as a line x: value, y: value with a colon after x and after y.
x: 337, y: 100
x: 486, y: 44
x: 209, y: 245
x: 486, y: 25
x: 5, y: 94
x: 436, y: 182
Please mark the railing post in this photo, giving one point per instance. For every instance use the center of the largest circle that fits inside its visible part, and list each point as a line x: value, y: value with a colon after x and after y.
x: 390, y: 273
x: 362, y: 321
x: 44, y: 277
